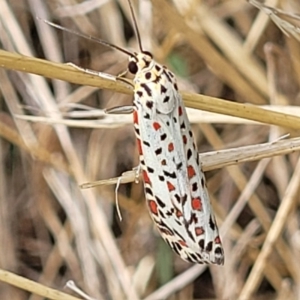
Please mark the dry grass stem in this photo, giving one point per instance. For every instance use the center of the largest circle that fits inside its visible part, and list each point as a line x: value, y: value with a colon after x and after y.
x: 32, y: 286
x: 220, y: 159
x: 66, y: 72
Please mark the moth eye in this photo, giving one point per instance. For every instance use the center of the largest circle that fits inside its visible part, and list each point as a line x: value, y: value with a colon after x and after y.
x: 132, y: 67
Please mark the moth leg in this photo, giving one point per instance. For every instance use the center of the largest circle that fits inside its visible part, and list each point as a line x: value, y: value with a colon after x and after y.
x: 125, y: 80
x: 119, y: 110
x: 117, y: 198
x: 92, y: 72
x: 121, y: 77
x: 137, y: 171
x: 122, y: 74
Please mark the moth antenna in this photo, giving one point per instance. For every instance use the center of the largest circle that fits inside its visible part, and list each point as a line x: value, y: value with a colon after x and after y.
x: 86, y: 36
x: 136, y: 29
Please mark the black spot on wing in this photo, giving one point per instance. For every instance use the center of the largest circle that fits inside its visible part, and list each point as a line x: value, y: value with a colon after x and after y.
x: 146, y: 89
x: 160, y: 202
x: 164, y: 227
x: 163, y: 89
x: 193, y: 219
x: 149, y: 104
x: 147, y: 116
x: 166, y: 99
x: 193, y: 257
x: 161, y: 213
x: 170, y: 213
x: 178, y: 234
x: 167, y: 75
x: 179, y: 166
x: 178, y: 222
x: 163, y: 137
x: 157, y: 67
x: 176, y: 247
x: 209, y: 246
x: 171, y: 175
x: 189, y: 233
x: 150, y: 170
x: 178, y: 198
x: 140, y: 94
x: 189, y: 259
x: 148, y: 191
x: 158, y: 151
x: 189, y: 154
x: 157, y: 79
x: 146, y: 143
x: 194, y: 186
x: 161, y: 178
x: 212, y: 224
x: 200, y: 258
x: 184, y: 199
x: 219, y: 251
x: 201, y: 244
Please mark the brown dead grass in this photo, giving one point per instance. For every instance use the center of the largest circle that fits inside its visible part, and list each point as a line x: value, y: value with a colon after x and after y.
x: 52, y: 231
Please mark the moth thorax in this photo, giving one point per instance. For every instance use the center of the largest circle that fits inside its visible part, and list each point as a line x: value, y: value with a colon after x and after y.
x: 140, y: 61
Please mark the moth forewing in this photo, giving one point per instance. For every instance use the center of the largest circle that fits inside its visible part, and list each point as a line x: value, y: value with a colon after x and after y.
x: 174, y: 182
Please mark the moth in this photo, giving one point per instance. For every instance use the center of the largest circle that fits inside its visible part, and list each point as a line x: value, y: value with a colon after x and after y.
x: 174, y: 183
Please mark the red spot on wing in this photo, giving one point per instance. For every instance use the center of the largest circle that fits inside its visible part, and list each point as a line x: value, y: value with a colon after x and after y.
x: 197, y: 203
x: 178, y: 213
x: 199, y: 231
x: 153, y: 207
x: 139, y: 145
x: 191, y: 171
x: 182, y: 243
x: 135, y: 117
x: 171, y: 187
x: 184, y: 139
x: 171, y: 147
x: 180, y: 111
x: 156, y: 125
x: 146, y: 177
x: 217, y: 240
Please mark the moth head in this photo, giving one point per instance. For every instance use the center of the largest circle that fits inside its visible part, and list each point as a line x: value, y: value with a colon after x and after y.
x: 139, y: 62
